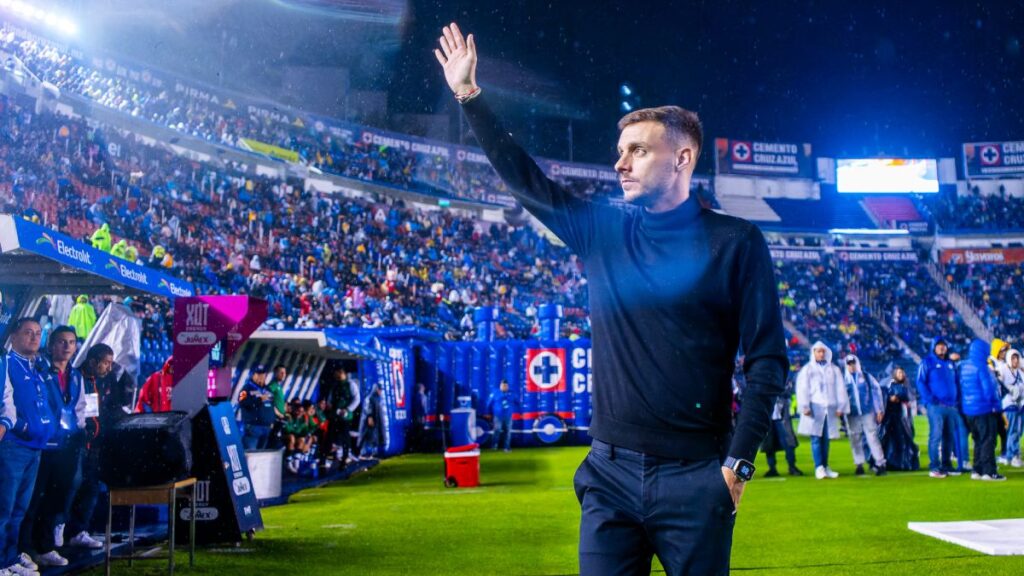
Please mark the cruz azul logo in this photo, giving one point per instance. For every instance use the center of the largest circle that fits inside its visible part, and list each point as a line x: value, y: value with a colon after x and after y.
x: 545, y: 370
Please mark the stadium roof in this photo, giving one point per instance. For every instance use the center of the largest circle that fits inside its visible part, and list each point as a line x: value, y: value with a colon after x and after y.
x: 327, y: 343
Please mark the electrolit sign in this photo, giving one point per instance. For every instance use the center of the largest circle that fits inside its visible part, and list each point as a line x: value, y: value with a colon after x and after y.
x: 545, y: 370
x: 66, y: 250
x: 77, y: 254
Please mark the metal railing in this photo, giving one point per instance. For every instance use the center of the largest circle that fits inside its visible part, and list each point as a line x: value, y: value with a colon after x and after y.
x: 956, y: 296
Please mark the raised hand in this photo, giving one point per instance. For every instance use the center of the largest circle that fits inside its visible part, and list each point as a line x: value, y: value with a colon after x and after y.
x: 457, y: 56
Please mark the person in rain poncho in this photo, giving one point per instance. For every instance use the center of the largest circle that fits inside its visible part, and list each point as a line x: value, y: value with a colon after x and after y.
x: 83, y: 317
x: 120, y: 249
x: 822, y: 401
x: 866, y: 412
x: 101, y: 238
x: 1012, y: 382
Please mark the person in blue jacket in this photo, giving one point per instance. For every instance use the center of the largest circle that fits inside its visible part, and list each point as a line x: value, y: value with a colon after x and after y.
x: 981, y: 404
x: 501, y: 406
x: 27, y: 423
x: 257, y: 405
x: 937, y: 390
x: 43, y: 527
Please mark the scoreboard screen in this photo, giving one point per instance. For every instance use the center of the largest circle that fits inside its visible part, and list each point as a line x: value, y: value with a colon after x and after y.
x: 887, y: 176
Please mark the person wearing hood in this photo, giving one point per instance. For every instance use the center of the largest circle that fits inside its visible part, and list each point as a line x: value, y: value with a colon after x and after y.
x: 997, y: 356
x: 1013, y: 406
x: 938, y: 391
x: 83, y: 317
x: 897, y: 431
x: 980, y: 402
x: 822, y: 401
x: 156, y: 391
x: 996, y: 363
x: 120, y: 249
x: 156, y: 259
x: 132, y: 254
x: 101, y: 238
x: 866, y: 412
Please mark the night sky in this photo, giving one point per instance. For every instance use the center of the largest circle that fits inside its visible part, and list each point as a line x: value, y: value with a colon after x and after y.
x: 878, y: 78
x: 881, y: 78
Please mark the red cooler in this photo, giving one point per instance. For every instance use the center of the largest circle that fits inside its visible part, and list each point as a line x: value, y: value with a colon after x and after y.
x: 462, y: 466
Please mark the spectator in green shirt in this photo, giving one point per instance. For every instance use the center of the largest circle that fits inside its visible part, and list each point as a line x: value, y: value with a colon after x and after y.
x: 276, y: 389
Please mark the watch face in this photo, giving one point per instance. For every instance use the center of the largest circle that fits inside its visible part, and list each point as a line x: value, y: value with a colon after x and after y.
x: 745, y: 470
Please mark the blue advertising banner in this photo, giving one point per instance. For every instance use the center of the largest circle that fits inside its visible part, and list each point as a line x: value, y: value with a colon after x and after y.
x: 226, y: 505
x: 993, y: 159
x: 394, y: 376
x: 61, y: 248
x: 752, y: 158
x: 550, y: 380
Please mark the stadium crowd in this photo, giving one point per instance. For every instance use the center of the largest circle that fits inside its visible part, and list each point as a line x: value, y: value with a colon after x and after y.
x: 344, y: 154
x: 974, y: 210
x: 993, y: 291
x: 824, y: 301
x: 319, y: 259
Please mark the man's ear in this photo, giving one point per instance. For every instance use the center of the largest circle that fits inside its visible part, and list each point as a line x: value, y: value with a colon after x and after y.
x: 684, y: 158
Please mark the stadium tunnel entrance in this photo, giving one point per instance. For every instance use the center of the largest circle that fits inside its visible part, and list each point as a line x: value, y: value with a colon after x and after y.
x: 426, y: 382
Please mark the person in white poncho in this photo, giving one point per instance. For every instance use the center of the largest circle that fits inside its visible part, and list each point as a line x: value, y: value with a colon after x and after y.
x: 822, y: 401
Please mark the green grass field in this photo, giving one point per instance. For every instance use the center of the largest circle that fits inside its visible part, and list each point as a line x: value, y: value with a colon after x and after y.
x: 399, y: 519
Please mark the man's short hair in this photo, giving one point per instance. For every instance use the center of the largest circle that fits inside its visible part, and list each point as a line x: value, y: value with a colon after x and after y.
x: 280, y: 367
x: 98, y: 352
x: 678, y: 123
x: 21, y: 322
x: 61, y: 330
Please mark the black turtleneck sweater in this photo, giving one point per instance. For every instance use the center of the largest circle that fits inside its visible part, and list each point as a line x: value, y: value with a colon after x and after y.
x: 672, y: 297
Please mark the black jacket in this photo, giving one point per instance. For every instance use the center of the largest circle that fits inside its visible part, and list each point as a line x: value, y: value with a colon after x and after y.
x: 672, y: 297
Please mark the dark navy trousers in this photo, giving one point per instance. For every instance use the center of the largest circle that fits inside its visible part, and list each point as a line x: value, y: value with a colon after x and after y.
x: 636, y: 505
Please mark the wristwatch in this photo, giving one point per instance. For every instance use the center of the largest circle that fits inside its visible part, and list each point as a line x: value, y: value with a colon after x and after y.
x: 744, y: 470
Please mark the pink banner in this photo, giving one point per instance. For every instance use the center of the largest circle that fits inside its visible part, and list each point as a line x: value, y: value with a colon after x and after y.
x: 201, y: 322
